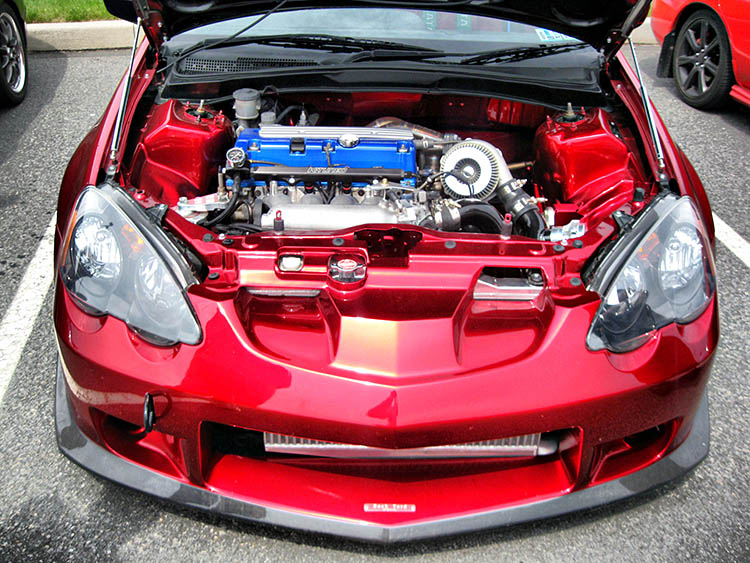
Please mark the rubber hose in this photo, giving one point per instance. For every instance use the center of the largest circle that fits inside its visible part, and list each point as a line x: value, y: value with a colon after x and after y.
x: 483, y: 215
x: 527, y: 220
x: 532, y: 225
x: 287, y: 111
x: 228, y: 210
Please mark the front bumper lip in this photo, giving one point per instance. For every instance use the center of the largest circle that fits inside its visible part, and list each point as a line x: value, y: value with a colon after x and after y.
x: 79, y: 448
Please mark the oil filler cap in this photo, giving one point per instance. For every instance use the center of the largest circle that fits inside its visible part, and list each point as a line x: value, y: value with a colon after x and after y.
x: 347, y: 269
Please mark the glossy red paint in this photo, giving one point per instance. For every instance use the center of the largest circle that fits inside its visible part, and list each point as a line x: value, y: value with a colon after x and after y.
x: 668, y: 15
x: 587, y: 160
x: 179, y: 152
x: 402, y: 401
x: 408, y: 359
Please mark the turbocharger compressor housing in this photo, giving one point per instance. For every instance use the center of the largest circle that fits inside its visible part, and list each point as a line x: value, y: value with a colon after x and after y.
x: 473, y: 169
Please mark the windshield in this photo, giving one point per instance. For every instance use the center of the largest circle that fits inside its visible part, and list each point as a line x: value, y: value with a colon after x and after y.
x: 417, y: 27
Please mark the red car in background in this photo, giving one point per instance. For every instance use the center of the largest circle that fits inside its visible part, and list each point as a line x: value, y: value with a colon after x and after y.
x: 705, y: 48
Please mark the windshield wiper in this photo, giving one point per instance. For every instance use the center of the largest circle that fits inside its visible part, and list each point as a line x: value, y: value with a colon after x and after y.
x: 520, y: 53
x: 509, y: 55
x: 417, y: 54
x: 333, y: 43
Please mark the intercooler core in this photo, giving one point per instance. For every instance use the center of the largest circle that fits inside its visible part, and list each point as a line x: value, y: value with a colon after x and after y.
x: 529, y: 445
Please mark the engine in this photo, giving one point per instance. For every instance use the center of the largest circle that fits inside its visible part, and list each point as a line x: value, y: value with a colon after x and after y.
x: 328, y: 178
x: 275, y: 173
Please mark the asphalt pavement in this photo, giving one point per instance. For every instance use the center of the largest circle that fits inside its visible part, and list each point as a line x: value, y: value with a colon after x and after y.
x: 52, y: 510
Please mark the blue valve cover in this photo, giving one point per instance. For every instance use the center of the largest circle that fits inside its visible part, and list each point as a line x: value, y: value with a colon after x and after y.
x: 354, y: 147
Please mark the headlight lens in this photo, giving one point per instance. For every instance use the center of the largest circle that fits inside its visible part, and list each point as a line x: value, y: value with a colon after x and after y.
x: 115, y: 264
x: 667, y: 276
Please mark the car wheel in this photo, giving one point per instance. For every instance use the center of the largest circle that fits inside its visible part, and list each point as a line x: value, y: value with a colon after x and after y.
x: 702, y: 62
x: 13, y: 73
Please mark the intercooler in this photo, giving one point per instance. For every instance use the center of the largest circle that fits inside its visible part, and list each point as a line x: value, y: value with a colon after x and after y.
x: 517, y: 446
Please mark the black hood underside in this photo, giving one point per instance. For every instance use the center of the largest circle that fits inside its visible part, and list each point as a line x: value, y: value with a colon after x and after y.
x: 604, y: 24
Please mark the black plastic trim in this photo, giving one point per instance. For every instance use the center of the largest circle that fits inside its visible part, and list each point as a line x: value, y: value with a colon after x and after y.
x: 664, y: 66
x: 89, y: 455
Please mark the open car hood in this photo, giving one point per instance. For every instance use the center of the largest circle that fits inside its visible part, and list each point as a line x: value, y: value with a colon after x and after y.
x: 605, y: 24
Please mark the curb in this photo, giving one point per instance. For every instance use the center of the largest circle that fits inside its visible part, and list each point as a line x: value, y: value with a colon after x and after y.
x: 80, y: 36
x: 118, y: 34
x: 644, y: 35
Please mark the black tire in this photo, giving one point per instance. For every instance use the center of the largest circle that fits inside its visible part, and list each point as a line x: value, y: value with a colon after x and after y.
x: 14, y: 76
x: 702, y: 61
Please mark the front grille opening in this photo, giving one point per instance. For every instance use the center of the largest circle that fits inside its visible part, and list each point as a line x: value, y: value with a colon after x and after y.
x: 227, y: 450
x: 643, y: 439
x: 156, y: 450
x: 633, y: 452
x: 230, y: 440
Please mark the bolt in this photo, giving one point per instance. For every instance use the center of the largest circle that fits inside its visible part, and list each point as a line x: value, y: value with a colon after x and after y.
x: 450, y: 244
x: 208, y: 237
x: 213, y: 276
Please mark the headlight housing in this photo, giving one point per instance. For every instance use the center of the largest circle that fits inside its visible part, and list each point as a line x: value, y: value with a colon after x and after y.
x: 658, y: 273
x: 117, y: 262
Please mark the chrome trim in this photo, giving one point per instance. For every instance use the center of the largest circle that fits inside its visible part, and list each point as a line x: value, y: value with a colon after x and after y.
x: 282, y: 292
x: 489, y: 288
x: 517, y: 446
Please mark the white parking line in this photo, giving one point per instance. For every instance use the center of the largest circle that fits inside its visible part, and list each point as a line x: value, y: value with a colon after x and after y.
x: 734, y: 242
x: 20, y: 316
x: 19, y: 319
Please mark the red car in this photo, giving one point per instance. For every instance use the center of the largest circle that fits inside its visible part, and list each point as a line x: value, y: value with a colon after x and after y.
x: 382, y: 272
x: 705, y: 48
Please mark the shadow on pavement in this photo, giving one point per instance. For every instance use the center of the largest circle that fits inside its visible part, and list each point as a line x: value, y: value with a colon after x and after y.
x: 45, y: 72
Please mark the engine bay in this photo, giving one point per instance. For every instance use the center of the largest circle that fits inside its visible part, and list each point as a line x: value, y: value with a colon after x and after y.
x: 325, y: 163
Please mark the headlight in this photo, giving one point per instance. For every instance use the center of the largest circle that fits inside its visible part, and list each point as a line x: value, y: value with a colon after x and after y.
x: 658, y: 273
x: 116, y: 262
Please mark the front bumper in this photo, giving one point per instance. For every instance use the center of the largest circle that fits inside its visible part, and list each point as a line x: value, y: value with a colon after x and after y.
x: 78, y: 447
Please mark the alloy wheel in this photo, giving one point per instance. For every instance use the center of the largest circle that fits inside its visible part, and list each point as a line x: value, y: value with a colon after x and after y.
x: 702, y: 61
x: 12, y: 61
x: 699, y: 57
